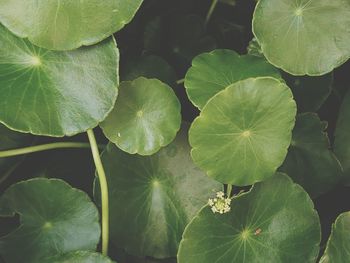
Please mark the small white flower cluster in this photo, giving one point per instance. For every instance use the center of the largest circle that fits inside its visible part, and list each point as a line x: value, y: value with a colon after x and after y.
x: 220, y: 204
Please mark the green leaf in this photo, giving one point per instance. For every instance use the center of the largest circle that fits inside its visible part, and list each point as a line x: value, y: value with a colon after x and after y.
x: 65, y: 24
x: 10, y: 140
x: 303, y: 37
x: 153, y: 198
x: 152, y: 67
x: 342, y: 138
x: 338, y: 245
x: 254, y: 48
x: 309, y: 161
x: 310, y: 92
x: 214, y: 71
x: 80, y: 257
x: 242, y: 134
x: 146, y: 117
x: 56, y: 93
x: 55, y: 219
x: 274, y: 222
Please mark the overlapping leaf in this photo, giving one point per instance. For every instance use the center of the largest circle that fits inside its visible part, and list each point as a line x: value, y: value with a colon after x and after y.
x: 274, y: 222
x: 80, y: 257
x: 55, y: 219
x: 309, y: 161
x: 214, y: 71
x: 304, y: 37
x: 152, y: 198
x: 56, y: 93
x: 242, y: 134
x: 65, y: 24
x: 146, y: 117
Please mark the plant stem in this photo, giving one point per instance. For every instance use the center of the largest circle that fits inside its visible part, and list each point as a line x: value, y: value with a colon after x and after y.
x: 180, y: 81
x: 211, y: 10
x: 229, y: 190
x: 104, y: 191
x: 44, y: 147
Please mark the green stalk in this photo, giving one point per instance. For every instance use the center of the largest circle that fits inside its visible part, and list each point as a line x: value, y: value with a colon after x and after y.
x: 44, y: 147
x: 104, y: 191
x: 211, y: 10
x: 229, y: 190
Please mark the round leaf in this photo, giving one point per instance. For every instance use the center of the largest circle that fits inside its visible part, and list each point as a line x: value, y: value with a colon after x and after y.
x: 55, y: 219
x: 65, y: 24
x: 242, y: 134
x: 310, y: 92
x: 56, y: 93
x: 274, y: 222
x: 303, y: 37
x: 338, y: 245
x: 152, y: 198
x: 146, y: 117
x: 342, y: 138
x: 80, y: 257
x: 309, y: 161
x: 214, y: 71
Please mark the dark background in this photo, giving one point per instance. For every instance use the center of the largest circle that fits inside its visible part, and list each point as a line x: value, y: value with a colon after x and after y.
x: 175, y: 31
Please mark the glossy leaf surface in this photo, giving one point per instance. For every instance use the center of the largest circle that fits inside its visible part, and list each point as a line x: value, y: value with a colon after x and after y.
x: 153, y: 198
x: 309, y: 161
x: 80, y: 257
x: 243, y: 133
x: 146, y: 117
x: 274, y: 222
x: 214, y: 71
x: 56, y: 93
x: 338, y: 245
x: 55, y: 219
x: 65, y: 24
x: 303, y: 37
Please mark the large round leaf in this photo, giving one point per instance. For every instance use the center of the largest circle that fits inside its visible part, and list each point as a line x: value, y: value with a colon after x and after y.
x: 66, y: 24
x: 214, y: 71
x: 304, y: 37
x: 80, y: 257
x: 338, y: 245
x: 55, y: 219
x: 342, y: 137
x: 146, y: 117
x: 309, y: 160
x: 152, y: 198
x: 242, y: 134
x: 274, y: 222
x: 56, y: 93
x: 310, y: 92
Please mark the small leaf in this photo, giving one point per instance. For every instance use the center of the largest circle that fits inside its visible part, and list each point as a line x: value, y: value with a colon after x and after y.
x: 56, y: 93
x: 151, y: 67
x: 338, y: 245
x: 243, y: 133
x: 80, y: 257
x: 214, y: 71
x: 254, y: 48
x: 309, y: 161
x: 303, y: 37
x: 65, y: 24
x: 55, y: 219
x: 274, y: 222
x: 152, y: 198
x: 146, y: 117
x: 342, y: 138
x: 310, y: 92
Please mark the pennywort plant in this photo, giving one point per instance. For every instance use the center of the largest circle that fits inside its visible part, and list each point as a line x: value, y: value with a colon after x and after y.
x: 202, y: 152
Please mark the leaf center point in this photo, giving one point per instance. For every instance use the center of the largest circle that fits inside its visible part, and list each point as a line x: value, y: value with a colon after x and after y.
x: 246, y: 134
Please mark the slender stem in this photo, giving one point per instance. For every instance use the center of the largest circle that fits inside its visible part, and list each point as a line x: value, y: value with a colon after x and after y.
x: 211, y: 10
x: 44, y: 147
x: 180, y: 81
x: 229, y: 190
x: 104, y: 191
